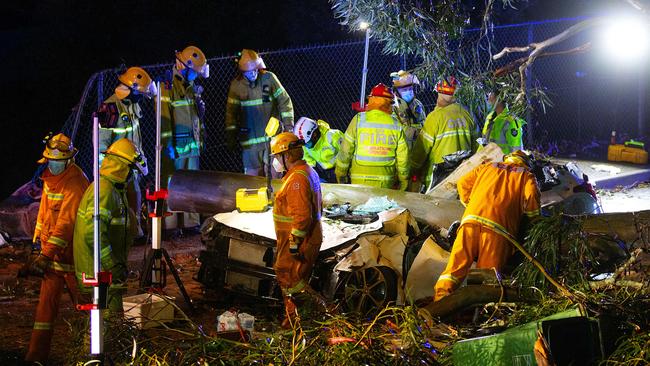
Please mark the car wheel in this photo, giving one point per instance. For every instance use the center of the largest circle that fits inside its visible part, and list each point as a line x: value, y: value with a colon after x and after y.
x: 371, y: 289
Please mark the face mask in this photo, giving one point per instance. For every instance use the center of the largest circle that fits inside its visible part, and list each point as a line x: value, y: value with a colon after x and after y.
x: 56, y: 167
x: 407, y: 95
x: 189, y: 74
x: 251, y: 75
x: 278, y: 166
x: 134, y: 97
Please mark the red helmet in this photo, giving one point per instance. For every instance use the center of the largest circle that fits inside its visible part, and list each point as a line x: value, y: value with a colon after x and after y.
x: 381, y: 90
x: 447, y: 86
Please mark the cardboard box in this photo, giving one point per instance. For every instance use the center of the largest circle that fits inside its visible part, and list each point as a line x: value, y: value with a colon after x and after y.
x: 148, y: 310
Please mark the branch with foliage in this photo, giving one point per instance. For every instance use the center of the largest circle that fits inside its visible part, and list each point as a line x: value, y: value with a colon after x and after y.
x: 435, y: 33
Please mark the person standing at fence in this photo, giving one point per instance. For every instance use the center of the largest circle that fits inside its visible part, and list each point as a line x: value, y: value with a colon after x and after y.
x: 448, y: 129
x: 254, y: 96
x: 501, y: 126
x: 63, y: 186
x: 117, y: 220
x: 182, y: 112
x: 119, y: 117
x: 374, y: 150
x: 409, y: 110
x: 322, y: 145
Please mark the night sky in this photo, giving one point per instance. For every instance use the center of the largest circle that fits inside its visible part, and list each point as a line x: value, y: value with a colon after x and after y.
x: 51, y: 47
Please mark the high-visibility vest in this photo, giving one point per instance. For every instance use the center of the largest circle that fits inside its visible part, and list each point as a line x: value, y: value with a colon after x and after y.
x: 377, y: 137
x: 505, y: 129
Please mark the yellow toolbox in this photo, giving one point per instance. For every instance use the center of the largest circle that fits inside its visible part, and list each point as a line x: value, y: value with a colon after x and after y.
x: 629, y: 153
x: 253, y: 200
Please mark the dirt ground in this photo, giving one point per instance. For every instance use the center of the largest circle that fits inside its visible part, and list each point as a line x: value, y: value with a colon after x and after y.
x: 18, y: 298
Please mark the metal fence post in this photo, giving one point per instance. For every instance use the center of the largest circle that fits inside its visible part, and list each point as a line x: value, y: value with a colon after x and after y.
x: 100, y: 89
x: 530, y: 126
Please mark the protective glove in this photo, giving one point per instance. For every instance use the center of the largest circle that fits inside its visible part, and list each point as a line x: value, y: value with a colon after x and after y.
x: 231, y: 139
x: 294, y: 244
x: 40, y: 264
x: 403, y: 184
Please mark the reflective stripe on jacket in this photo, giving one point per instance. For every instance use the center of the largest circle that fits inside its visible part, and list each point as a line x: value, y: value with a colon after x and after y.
x: 504, y: 129
x: 297, y: 211
x: 326, y: 149
x: 446, y: 130
x: 182, y: 129
x: 57, y: 214
x: 374, y: 149
x: 127, y: 125
x: 117, y: 223
x: 250, y: 106
x: 497, y: 195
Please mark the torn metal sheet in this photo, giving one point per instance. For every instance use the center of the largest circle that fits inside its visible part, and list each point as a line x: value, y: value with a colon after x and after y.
x: 335, y: 232
x: 425, y: 270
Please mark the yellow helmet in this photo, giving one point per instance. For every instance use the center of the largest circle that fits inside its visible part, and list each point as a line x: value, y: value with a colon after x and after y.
x: 135, y: 79
x: 193, y: 58
x: 126, y: 149
x: 285, y: 142
x: 57, y: 147
x: 403, y: 79
x: 249, y: 60
x: 519, y: 157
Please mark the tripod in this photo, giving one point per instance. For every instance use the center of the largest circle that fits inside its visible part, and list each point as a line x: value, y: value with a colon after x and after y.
x: 158, y: 260
x: 155, y: 273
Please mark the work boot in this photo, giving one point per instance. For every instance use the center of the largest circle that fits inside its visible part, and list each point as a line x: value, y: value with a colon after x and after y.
x: 291, y: 313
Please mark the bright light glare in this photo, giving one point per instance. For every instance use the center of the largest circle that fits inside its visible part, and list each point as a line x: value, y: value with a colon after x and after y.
x: 626, y: 40
x: 364, y: 25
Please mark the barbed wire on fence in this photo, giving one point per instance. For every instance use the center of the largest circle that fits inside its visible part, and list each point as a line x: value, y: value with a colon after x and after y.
x: 323, y: 81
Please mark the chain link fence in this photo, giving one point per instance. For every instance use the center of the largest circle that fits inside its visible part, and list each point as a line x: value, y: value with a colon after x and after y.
x: 324, y: 80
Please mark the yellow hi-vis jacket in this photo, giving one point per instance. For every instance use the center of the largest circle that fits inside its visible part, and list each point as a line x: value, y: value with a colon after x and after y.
x: 374, y: 151
x: 249, y: 108
x: 326, y: 149
x: 504, y: 129
x: 127, y: 125
x: 117, y: 227
x: 446, y: 130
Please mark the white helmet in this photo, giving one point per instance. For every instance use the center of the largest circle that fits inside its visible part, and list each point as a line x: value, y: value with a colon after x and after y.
x: 305, y: 128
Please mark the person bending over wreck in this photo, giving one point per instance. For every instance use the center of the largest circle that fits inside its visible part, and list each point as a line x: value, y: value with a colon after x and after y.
x: 496, y: 196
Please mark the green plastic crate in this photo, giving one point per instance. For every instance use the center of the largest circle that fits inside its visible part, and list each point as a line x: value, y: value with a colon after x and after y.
x: 513, y: 346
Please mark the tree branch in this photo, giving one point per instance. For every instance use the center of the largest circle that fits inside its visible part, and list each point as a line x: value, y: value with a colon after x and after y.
x: 537, y: 49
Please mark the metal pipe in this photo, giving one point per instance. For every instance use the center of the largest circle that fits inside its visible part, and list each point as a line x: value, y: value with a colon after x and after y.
x: 96, y: 321
x: 156, y: 222
x: 364, y: 72
x: 211, y: 192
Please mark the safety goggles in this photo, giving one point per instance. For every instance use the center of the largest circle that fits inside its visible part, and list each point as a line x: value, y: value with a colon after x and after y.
x: 57, y: 144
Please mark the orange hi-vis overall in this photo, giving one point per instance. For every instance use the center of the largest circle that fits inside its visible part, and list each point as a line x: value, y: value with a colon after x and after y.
x: 496, y: 196
x: 55, y: 226
x: 297, y: 211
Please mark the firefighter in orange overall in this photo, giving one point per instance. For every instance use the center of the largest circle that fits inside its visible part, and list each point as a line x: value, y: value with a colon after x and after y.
x: 496, y: 197
x: 296, y: 214
x: 63, y: 186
